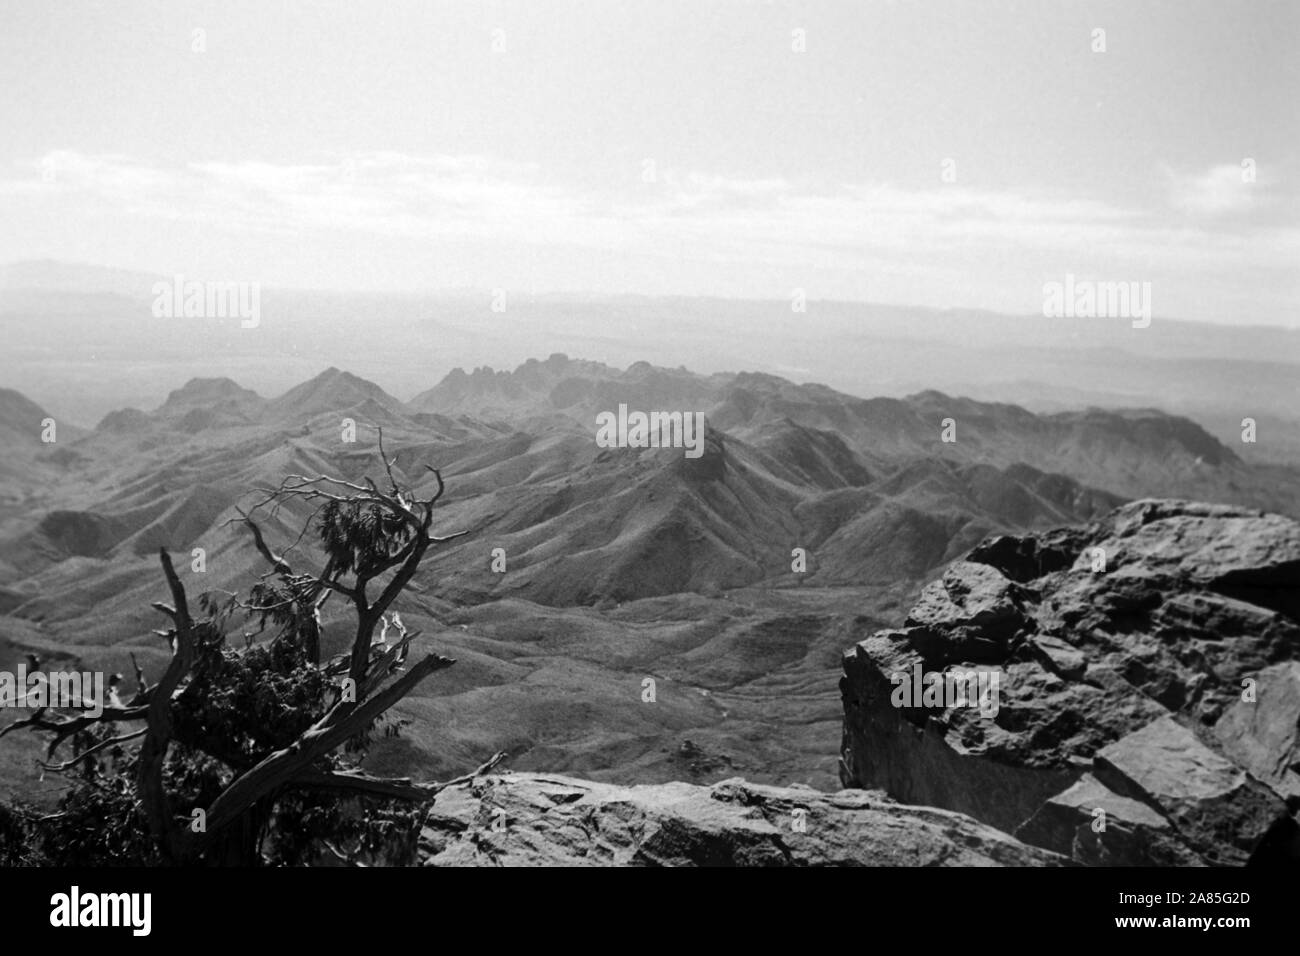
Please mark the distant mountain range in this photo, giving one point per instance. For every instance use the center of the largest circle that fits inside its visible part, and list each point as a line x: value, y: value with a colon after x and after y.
x: 82, y: 341
x: 785, y: 466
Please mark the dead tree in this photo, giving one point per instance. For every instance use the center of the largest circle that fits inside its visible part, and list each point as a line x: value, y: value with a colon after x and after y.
x: 373, y: 540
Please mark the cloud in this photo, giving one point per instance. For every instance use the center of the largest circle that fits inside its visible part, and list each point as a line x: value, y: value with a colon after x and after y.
x: 1220, y: 190
x: 761, y: 222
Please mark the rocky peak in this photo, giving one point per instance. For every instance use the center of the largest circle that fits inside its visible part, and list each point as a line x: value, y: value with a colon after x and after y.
x: 333, y: 390
x: 210, y: 391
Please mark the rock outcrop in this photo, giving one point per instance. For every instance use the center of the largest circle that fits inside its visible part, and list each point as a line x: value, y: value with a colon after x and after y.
x: 526, y: 819
x: 1149, y: 702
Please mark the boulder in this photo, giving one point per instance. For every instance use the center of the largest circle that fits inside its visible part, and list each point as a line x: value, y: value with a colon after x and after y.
x: 1261, y: 732
x: 1125, y: 649
x: 527, y: 819
x: 1213, y: 804
x: 1096, y: 826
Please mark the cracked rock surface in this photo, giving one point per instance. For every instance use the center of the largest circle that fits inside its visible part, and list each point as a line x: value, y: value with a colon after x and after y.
x: 529, y: 819
x: 1150, y: 698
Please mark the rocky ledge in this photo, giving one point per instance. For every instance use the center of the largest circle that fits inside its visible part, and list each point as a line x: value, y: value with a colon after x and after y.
x: 1149, y: 701
x: 528, y: 819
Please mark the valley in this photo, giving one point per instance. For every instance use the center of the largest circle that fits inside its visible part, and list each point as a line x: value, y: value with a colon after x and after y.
x: 621, y: 563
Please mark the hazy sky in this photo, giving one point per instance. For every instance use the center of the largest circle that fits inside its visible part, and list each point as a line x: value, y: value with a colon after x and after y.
x: 651, y: 146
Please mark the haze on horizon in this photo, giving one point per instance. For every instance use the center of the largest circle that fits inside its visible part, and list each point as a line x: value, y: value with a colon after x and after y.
x: 923, y: 154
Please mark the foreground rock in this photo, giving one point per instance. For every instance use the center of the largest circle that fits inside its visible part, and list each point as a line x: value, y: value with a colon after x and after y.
x: 1149, y: 704
x: 530, y: 819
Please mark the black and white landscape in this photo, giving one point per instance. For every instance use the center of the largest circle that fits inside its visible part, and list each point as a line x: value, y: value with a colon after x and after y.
x: 670, y: 434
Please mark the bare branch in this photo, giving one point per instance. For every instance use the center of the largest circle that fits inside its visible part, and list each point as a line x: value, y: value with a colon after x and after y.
x: 450, y: 537
x: 140, y: 685
x: 388, y: 465
x: 441, y: 487
x: 65, y: 727
x: 382, y: 668
x: 479, y: 771
x: 157, y: 738
x: 119, y: 739
x: 279, y: 565
x: 400, y: 788
x: 277, y: 562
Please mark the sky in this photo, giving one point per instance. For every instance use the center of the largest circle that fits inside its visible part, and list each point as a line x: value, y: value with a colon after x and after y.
x: 944, y: 153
